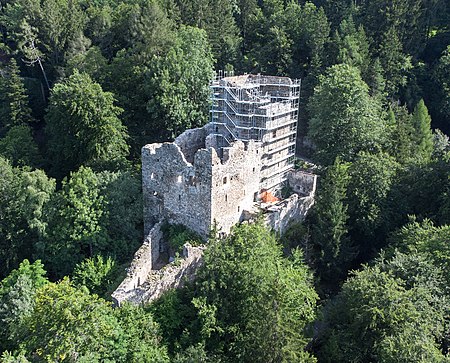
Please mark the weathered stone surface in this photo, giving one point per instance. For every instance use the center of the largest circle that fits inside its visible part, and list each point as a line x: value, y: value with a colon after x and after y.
x: 144, y: 260
x: 294, y: 208
x: 196, y: 183
x: 173, y: 275
x: 302, y: 182
x: 196, y: 194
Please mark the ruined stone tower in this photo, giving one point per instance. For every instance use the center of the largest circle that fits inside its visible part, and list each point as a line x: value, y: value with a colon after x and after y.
x: 222, y: 173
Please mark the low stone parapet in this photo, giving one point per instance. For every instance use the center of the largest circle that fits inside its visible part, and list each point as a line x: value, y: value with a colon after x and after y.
x: 173, y: 275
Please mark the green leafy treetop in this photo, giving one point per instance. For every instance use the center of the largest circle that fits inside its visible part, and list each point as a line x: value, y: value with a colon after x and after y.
x: 83, y: 125
x: 344, y: 118
x: 69, y: 324
x: 393, y: 311
x: 17, y: 292
x: 253, y: 304
x: 178, y: 83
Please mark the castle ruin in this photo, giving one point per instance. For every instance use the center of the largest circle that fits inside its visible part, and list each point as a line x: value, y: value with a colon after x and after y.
x: 231, y: 170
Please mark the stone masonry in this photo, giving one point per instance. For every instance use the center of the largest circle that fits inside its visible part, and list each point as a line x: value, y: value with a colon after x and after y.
x: 188, y: 183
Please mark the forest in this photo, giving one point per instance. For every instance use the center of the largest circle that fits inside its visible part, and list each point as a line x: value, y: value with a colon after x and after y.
x: 84, y: 84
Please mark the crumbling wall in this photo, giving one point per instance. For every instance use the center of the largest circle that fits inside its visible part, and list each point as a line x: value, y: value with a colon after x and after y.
x: 302, y: 182
x: 191, y: 141
x: 175, y: 189
x: 173, y: 275
x: 235, y: 181
x: 294, y: 208
x: 144, y: 259
x: 208, y: 189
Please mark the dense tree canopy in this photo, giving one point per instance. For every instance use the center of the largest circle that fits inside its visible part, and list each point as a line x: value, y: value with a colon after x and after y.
x: 346, y: 119
x: 85, y: 84
x: 83, y: 125
x: 254, y: 305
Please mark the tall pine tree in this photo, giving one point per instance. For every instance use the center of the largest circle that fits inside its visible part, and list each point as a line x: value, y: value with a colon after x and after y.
x: 329, y: 232
x: 14, y: 108
x: 422, y: 132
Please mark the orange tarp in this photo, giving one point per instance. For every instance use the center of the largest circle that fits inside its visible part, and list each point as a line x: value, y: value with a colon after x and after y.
x: 267, y: 197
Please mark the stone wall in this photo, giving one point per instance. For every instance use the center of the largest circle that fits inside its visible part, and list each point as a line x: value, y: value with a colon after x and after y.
x: 235, y: 180
x: 173, y: 275
x: 191, y: 141
x: 302, y: 182
x: 175, y: 189
x: 144, y: 259
x: 295, y: 208
x: 200, y: 192
x: 279, y: 216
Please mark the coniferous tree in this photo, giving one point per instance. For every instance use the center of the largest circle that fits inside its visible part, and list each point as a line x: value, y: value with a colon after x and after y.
x: 441, y: 100
x: 330, y: 230
x: 422, y: 132
x: 14, y: 106
x: 395, y: 63
x: 375, y: 80
x: 403, y: 133
x: 353, y: 46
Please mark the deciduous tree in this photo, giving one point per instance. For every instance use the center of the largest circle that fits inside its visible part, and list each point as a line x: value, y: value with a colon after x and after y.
x: 254, y: 304
x: 83, y: 125
x: 344, y: 118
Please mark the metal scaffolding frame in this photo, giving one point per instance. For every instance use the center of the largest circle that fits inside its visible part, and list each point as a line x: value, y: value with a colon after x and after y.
x: 260, y: 108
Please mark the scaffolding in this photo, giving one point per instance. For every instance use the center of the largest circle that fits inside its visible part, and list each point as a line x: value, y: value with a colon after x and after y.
x: 260, y: 108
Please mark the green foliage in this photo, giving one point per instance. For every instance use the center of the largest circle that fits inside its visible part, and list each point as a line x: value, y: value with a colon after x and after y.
x: 284, y: 39
x: 345, y: 119
x: 172, y: 311
x: 253, y: 304
x: 49, y: 30
x: 17, y: 291
x: 441, y: 78
x: 19, y: 147
x: 390, y: 312
x: 14, y: 107
x: 371, y: 179
x: 122, y: 195
x: 395, y: 63
x: 216, y: 18
x: 193, y: 354
x: 92, y: 214
x: 141, y: 335
x: 401, y: 123
x: 426, y: 239
x: 82, y: 323
x: 13, y: 358
x: 82, y: 117
x: 410, y: 19
x: 69, y: 324
x: 23, y: 197
x: 352, y: 46
x: 178, y: 83
x: 75, y: 228
x: 177, y: 235
x: 329, y: 229
x: 96, y: 273
x: 422, y: 132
